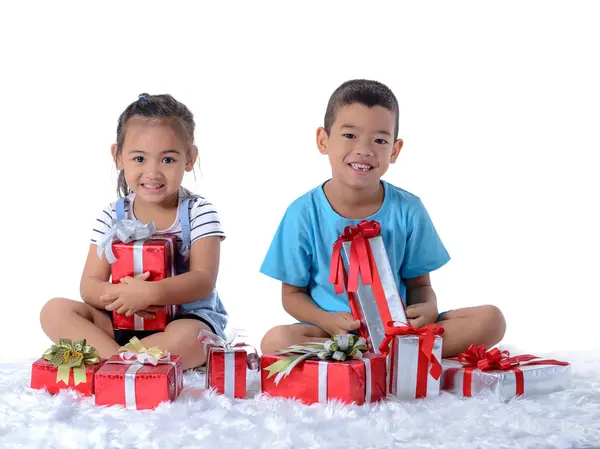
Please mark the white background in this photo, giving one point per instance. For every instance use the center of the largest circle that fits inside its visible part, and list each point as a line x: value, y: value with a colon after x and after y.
x: 500, y: 113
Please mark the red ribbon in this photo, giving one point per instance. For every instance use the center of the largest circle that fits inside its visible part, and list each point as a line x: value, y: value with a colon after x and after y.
x: 476, y: 357
x: 361, y: 263
x: 426, y: 335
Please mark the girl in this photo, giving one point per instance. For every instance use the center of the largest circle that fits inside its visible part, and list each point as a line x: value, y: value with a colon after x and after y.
x: 155, y: 147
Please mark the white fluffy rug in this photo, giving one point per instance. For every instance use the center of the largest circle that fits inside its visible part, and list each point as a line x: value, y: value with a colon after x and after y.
x: 569, y: 419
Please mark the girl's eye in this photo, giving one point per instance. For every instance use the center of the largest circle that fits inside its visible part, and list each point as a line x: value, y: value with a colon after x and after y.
x: 139, y: 159
x: 349, y: 136
x: 168, y: 160
x: 381, y: 141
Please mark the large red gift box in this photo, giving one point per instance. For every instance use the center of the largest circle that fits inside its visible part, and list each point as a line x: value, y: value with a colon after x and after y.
x: 43, y: 377
x: 156, y: 256
x: 354, y: 380
x: 138, y: 386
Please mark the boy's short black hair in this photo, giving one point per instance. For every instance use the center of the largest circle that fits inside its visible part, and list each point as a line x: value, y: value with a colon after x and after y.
x: 366, y: 92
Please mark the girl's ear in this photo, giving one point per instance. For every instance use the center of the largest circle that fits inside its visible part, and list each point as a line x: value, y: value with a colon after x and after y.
x: 191, y: 159
x: 118, y: 159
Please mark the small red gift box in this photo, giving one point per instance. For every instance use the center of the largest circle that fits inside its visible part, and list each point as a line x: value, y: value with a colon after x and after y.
x: 44, y: 377
x: 226, y: 371
x: 156, y: 256
x: 135, y: 385
x: 478, y: 371
x: 354, y: 380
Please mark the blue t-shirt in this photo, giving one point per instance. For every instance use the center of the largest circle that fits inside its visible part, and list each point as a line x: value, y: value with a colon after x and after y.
x: 300, y: 253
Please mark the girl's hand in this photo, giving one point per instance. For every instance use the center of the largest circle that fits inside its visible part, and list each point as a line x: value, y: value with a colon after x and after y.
x: 131, y: 295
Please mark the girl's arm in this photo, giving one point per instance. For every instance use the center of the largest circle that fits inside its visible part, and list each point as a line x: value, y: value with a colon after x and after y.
x: 199, y: 282
x: 94, y: 280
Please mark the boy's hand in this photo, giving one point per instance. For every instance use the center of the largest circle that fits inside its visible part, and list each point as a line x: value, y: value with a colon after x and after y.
x: 131, y: 295
x: 422, y: 314
x: 339, y: 323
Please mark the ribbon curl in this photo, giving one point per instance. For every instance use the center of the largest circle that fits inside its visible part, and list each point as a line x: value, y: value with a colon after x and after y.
x: 359, y: 256
x: 476, y: 356
x: 67, y: 356
x: 338, y: 347
x: 136, y: 351
x: 235, y: 340
x: 125, y: 231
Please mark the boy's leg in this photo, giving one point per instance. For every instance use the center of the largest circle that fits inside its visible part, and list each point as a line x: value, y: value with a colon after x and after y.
x: 482, y: 325
x: 65, y: 318
x: 280, y: 337
x: 180, y: 337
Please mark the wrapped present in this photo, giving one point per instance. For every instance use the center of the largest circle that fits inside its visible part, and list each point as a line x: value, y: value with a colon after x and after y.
x: 229, y: 364
x: 66, y: 365
x: 139, y: 378
x: 414, y: 367
x: 317, y: 372
x: 131, y: 248
x: 370, y: 283
x: 477, y: 371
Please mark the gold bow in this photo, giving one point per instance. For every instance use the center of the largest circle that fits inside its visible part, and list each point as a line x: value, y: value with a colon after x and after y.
x: 67, y: 355
x: 135, y: 349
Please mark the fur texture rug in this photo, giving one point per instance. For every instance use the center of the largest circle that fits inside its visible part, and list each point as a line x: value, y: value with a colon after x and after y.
x: 198, y: 419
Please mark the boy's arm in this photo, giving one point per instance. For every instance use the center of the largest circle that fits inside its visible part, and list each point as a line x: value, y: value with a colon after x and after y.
x: 421, y: 300
x: 299, y: 305
x: 94, y: 280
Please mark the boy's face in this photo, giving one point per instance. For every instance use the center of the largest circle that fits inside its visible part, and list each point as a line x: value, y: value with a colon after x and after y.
x: 361, y: 144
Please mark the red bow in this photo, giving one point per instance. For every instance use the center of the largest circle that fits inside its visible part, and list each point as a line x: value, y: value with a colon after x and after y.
x: 359, y: 256
x: 476, y: 357
x: 426, y: 336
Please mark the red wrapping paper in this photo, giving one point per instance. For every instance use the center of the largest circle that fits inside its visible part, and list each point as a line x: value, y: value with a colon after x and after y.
x: 145, y: 389
x: 43, y: 376
x: 226, y: 371
x: 345, y: 381
x: 158, y: 255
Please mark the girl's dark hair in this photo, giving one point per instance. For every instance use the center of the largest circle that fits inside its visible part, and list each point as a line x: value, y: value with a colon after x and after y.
x: 158, y: 107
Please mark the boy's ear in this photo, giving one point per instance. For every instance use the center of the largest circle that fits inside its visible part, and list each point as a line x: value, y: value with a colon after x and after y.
x: 118, y: 159
x: 191, y: 158
x: 322, y: 140
x: 396, y: 150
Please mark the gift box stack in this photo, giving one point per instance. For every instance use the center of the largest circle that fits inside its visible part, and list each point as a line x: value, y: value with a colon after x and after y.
x: 131, y: 248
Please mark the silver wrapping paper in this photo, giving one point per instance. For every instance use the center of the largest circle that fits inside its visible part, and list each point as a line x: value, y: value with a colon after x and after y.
x: 538, y: 379
x: 403, y: 373
x: 369, y: 313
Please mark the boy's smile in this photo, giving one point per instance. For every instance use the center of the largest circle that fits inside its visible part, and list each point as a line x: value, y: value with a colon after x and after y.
x: 360, y: 145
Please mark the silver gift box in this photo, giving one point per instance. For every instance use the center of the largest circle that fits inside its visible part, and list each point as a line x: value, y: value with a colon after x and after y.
x: 538, y: 379
x: 369, y: 313
x: 405, y: 360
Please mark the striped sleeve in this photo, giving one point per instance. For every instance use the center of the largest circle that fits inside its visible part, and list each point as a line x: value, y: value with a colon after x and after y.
x: 102, y: 223
x: 204, y: 220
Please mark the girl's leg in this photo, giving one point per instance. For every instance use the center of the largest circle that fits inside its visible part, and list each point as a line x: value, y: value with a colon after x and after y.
x: 180, y: 337
x: 482, y: 325
x: 280, y: 337
x: 65, y: 318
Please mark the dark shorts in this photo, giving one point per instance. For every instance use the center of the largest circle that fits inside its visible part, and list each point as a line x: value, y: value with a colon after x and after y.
x: 122, y: 337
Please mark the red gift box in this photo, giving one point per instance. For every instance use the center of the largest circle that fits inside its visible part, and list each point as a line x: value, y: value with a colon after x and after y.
x: 226, y: 371
x: 43, y: 376
x: 156, y: 256
x: 138, y: 386
x: 354, y: 380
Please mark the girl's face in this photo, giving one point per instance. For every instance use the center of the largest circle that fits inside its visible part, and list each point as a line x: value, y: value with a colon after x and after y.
x: 154, y: 158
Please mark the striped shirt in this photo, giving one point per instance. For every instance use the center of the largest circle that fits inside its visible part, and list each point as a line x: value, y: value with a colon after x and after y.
x: 204, y: 220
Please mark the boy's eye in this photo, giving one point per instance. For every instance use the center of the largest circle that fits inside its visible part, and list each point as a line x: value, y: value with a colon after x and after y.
x: 349, y: 136
x: 139, y: 159
x: 168, y: 160
x: 381, y: 141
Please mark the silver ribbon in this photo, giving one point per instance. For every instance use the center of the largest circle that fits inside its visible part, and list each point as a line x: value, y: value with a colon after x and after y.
x: 125, y: 231
x: 323, y: 381
x: 130, y: 396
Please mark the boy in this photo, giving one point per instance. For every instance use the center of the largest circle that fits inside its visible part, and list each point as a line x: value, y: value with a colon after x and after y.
x: 360, y: 137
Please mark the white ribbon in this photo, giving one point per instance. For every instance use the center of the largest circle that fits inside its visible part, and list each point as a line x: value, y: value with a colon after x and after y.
x: 323, y: 380
x: 125, y: 231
